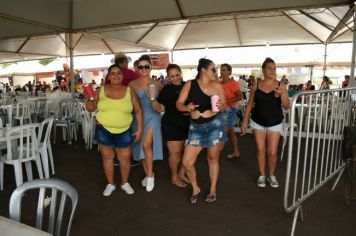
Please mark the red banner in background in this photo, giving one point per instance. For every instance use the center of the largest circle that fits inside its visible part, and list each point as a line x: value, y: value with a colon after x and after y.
x: 44, y: 75
x: 159, y: 61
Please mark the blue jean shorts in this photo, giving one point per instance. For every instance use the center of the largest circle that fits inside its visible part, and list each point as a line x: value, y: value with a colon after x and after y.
x: 275, y: 128
x: 207, y: 134
x: 229, y: 117
x: 106, y: 138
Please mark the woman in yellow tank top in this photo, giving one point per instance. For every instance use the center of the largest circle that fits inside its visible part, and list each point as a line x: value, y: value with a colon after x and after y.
x: 115, y: 104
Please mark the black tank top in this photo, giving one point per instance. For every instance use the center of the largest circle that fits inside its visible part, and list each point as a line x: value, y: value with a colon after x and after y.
x: 267, y: 110
x: 198, y: 97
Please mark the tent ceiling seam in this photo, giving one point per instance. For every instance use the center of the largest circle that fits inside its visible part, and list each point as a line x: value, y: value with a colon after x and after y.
x: 146, y: 33
x: 23, y: 44
x: 238, y: 31
x: 180, y: 36
x: 340, y: 25
x: 305, y: 29
x: 180, y: 9
x: 107, y: 45
x: 327, y: 26
x: 24, y: 20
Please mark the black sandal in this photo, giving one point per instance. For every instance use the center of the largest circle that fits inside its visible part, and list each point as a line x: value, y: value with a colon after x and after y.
x: 194, y: 199
x: 210, y: 198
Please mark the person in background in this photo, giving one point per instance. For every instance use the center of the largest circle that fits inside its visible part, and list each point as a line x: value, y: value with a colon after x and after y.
x: 135, y: 64
x: 150, y: 146
x: 206, y: 129
x: 293, y: 89
x: 265, y: 104
x: 284, y: 79
x: 123, y: 62
x: 115, y: 104
x: 233, y: 95
x: 243, y: 87
x: 174, y: 124
x: 345, y: 83
x: 307, y: 85
x: 326, y: 83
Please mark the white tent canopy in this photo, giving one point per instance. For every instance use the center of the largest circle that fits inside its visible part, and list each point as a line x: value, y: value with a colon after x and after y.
x: 41, y: 28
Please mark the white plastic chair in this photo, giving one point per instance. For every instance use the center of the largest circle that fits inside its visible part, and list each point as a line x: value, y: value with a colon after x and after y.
x: 44, y: 142
x: 52, y: 193
x: 66, y: 120
x: 25, y: 152
x: 23, y: 112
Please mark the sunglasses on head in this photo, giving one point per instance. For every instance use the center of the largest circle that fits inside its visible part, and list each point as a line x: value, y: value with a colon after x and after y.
x: 147, y: 67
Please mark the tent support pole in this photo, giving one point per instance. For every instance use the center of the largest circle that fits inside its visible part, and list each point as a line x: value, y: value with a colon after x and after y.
x: 71, y: 48
x: 352, y: 73
x: 325, y: 55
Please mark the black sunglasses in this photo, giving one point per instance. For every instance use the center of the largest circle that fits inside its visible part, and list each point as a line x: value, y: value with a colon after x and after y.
x: 147, y: 67
x: 213, y: 70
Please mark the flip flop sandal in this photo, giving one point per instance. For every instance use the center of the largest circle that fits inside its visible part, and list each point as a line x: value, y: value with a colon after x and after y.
x: 179, y: 184
x: 210, y: 198
x: 194, y: 199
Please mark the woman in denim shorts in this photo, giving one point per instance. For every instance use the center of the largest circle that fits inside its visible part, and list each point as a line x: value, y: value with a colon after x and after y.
x: 206, y: 129
x: 115, y: 104
x: 265, y: 104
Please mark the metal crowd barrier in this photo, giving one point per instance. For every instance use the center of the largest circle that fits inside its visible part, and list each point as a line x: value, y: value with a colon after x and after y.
x: 315, y: 149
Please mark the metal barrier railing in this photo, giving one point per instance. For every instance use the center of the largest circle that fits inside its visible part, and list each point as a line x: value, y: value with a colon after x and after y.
x: 315, y: 150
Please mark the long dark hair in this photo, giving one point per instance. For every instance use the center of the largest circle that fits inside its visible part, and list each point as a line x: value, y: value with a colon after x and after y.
x: 203, y: 63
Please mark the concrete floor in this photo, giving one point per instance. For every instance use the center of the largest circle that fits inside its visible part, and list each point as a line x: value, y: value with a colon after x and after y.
x: 241, y: 207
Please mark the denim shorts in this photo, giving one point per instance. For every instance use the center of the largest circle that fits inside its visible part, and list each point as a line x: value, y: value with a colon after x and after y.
x: 207, y: 134
x: 276, y: 128
x: 229, y: 117
x: 105, y: 138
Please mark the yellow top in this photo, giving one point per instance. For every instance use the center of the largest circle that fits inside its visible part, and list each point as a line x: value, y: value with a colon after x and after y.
x: 115, y: 114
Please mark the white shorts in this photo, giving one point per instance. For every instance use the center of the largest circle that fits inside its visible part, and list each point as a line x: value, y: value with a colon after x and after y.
x: 276, y: 128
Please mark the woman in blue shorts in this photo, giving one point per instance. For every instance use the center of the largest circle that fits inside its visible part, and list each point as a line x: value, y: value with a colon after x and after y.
x: 115, y: 104
x: 206, y: 129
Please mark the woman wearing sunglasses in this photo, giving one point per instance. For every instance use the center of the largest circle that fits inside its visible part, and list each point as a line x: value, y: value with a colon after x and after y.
x: 206, y: 129
x: 150, y: 146
x: 174, y: 123
x: 115, y: 104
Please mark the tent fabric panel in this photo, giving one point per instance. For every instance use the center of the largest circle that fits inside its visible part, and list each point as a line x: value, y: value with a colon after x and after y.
x: 90, y: 45
x: 344, y: 37
x: 11, y: 45
x: 209, y: 34
x: 340, y: 11
x: 272, y: 30
x: 50, y: 45
x: 129, y: 47
x: 204, y: 7
x: 93, y: 13
x: 132, y: 35
x: 164, y: 36
x: 11, y: 28
x: 318, y: 30
x: 51, y: 12
x: 327, y: 17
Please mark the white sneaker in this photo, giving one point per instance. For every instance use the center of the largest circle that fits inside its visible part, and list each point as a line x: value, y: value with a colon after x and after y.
x: 150, y: 183
x: 109, y: 189
x: 144, y: 182
x: 261, y: 181
x: 127, y: 188
x: 272, y: 180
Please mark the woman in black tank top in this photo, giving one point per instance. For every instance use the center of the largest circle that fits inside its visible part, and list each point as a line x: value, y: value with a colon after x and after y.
x: 265, y: 103
x: 206, y: 129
